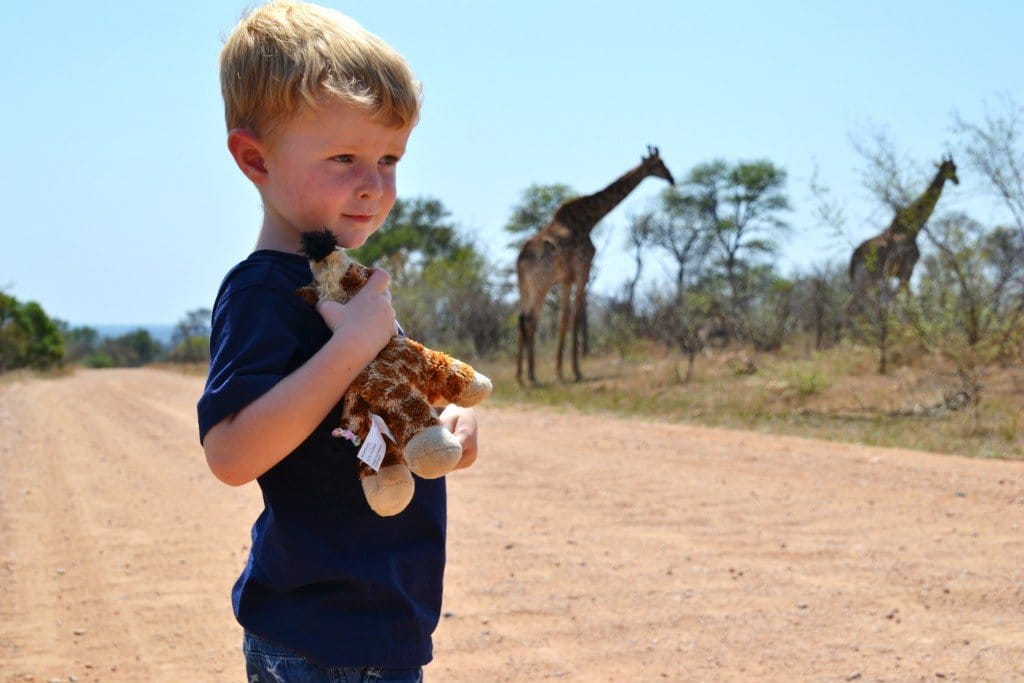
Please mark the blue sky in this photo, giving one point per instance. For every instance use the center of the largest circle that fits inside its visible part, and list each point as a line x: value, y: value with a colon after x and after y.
x: 123, y: 205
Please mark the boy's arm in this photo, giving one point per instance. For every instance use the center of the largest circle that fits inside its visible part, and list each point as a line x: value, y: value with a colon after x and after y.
x: 243, y: 446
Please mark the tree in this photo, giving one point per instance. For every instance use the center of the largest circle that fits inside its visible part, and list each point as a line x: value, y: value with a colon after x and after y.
x: 970, y: 295
x: 130, y: 350
x: 683, y: 318
x: 879, y: 320
x: 79, y: 342
x: 769, y: 319
x: 439, y: 282
x: 416, y: 232
x: 818, y: 303
x: 28, y: 337
x: 685, y: 232
x: 888, y: 174
x: 681, y: 321
x: 641, y: 233
x: 880, y: 316
x: 13, y: 333
x: 45, y: 346
x: 190, y: 342
x: 995, y: 150
x: 536, y: 208
x: 740, y: 205
x: 961, y: 295
x: 461, y: 304
x: 974, y: 283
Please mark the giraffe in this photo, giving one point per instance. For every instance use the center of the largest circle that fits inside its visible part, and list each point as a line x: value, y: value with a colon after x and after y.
x: 893, y: 252
x: 561, y: 253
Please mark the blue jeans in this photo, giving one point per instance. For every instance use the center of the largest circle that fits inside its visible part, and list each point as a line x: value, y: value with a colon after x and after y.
x: 269, y: 662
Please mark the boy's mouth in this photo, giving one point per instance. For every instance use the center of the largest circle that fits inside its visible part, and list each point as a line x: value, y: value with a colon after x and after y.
x: 359, y: 218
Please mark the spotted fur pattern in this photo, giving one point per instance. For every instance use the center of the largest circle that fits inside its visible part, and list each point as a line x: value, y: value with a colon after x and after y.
x: 400, y: 385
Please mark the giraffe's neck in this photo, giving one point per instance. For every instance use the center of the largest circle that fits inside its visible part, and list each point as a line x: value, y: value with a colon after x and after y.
x: 911, y: 218
x: 583, y: 213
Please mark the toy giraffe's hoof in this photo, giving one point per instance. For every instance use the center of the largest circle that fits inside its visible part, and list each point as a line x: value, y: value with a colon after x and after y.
x: 478, y: 390
x: 389, y: 491
x: 433, y: 453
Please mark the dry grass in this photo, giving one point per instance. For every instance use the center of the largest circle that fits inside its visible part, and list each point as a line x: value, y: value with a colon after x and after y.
x: 23, y: 374
x: 834, y: 395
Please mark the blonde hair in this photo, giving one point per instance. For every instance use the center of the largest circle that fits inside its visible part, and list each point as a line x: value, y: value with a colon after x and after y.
x: 287, y: 56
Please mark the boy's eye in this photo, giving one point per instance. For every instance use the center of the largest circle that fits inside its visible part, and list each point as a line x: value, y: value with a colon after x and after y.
x: 343, y: 158
x: 389, y: 160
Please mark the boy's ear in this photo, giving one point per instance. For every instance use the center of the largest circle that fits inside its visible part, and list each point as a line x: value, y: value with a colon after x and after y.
x: 247, y: 151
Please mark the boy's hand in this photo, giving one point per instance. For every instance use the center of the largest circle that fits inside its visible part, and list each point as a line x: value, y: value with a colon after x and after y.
x: 462, y: 423
x: 368, y: 314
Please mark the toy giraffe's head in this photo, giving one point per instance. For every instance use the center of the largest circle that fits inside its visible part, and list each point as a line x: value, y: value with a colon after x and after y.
x: 336, y: 276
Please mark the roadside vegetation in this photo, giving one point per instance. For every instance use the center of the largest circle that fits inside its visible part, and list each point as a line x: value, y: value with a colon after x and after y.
x: 706, y: 328
x: 834, y: 394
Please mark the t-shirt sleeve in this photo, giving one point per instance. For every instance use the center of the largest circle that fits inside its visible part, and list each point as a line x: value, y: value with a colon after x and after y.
x: 259, y: 335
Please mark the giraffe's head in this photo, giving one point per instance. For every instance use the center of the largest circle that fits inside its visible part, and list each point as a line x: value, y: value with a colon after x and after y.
x: 947, y: 169
x: 654, y: 166
x: 330, y: 265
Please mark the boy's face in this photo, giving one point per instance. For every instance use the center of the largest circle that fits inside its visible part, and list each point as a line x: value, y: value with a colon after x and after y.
x: 331, y: 168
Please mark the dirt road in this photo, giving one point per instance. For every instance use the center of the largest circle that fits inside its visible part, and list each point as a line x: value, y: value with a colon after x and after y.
x: 581, y: 548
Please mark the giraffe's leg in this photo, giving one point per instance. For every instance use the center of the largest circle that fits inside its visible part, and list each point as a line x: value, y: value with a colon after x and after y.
x: 527, y: 340
x: 520, y: 349
x: 527, y: 330
x: 533, y: 286
x: 563, y: 324
x: 574, y: 342
x: 578, y: 300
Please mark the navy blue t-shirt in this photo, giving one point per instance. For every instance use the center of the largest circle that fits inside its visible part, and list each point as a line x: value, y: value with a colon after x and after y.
x: 326, y: 575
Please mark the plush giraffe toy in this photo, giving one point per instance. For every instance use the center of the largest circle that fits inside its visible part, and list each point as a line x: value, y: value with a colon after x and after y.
x: 399, y: 387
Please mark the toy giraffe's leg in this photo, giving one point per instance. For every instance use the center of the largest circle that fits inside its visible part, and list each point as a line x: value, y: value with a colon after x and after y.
x: 430, y: 450
x: 388, y: 490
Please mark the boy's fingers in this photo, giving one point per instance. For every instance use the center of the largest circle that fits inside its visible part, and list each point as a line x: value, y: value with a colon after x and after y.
x: 379, y: 280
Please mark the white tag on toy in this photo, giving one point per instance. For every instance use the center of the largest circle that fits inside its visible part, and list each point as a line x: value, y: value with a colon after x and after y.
x: 373, y: 448
x: 382, y: 426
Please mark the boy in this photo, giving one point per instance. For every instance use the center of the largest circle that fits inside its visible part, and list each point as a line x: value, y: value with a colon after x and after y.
x: 318, y: 114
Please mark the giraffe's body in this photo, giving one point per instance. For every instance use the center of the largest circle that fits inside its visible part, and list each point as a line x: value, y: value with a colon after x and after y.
x: 894, y: 252
x: 561, y: 253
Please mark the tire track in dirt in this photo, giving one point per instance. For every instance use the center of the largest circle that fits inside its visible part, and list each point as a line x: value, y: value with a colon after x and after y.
x: 115, y: 531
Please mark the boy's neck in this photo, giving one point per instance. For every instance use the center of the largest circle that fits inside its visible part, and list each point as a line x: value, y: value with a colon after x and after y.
x: 276, y: 240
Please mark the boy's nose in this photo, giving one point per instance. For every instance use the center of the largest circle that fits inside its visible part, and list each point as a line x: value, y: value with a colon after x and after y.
x: 370, y: 185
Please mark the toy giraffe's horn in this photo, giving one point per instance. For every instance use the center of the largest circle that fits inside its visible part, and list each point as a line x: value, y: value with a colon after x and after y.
x: 318, y: 244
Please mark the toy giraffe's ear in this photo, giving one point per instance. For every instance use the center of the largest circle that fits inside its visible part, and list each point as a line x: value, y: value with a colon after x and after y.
x: 318, y: 244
